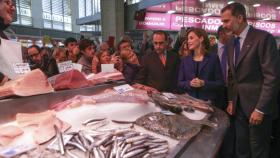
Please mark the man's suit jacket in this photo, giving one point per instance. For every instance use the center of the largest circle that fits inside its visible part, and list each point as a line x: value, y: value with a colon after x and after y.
x: 154, y: 74
x: 209, y: 71
x: 255, y: 79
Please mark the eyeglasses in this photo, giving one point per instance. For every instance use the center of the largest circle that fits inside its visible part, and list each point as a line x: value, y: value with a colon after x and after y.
x: 34, y: 55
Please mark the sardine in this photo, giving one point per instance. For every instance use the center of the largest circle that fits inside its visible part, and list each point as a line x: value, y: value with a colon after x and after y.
x: 160, y: 152
x: 133, y: 153
x: 103, y: 140
x: 139, y: 142
x: 95, y: 152
x: 84, y: 141
x: 122, y: 122
x: 79, y: 146
x: 125, y: 149
x: 141, y: 146
x: 158, y: 149
x: 72, y: 155
x: 59, y: 140
x: 92, y: 120
x: 101, y: 153
x: 137, y: 138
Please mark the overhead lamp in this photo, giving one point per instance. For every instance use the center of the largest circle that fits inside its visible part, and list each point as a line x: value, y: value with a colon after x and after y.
x: 207, y: 14
x: 266, y: 19
x: 230, y: 2
x: 202, y: 0
x: 278, y: 7
x: 171, y: 11
x: 256, y: 5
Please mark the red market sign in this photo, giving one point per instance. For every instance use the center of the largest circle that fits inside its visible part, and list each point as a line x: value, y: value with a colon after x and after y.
x: 162, y: 21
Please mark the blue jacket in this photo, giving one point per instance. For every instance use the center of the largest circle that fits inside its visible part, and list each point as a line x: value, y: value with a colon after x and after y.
x: 209, y: 70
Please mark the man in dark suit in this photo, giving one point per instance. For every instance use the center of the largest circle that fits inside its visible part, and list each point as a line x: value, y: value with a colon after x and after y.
x: 253, y: 82
x: 159, y: 67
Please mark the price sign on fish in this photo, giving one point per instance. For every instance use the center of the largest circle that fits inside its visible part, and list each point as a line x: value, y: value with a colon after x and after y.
x: 21, y: 68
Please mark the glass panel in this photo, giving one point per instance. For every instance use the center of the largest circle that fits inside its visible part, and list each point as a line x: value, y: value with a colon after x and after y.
x: 47, y: 24
x: 67, y: 27
x: 26, y: 20
x: 57, y: 25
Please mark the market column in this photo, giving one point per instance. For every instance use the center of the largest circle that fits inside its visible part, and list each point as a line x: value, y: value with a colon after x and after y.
x: 37, y: 13
x: 112, y: 19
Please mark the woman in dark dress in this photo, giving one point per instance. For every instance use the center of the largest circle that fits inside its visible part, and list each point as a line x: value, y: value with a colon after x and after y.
x: 200, y: 74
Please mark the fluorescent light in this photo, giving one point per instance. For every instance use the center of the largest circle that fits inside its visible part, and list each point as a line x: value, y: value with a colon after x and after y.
x: 266, y: 19
x: 256, y: 5
x: 202, y: 0
x: 171, y: 11
x: 278, y: 7
x: 230, y: 2
x: 207, y: 14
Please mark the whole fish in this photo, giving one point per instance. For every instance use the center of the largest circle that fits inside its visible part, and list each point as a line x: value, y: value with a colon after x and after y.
x: 174, y: 126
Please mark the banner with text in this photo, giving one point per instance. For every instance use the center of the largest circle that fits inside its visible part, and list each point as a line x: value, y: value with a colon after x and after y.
x: 162, y: 21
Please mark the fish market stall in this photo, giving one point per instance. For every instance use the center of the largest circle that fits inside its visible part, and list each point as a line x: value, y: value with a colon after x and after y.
x: 120, y: 127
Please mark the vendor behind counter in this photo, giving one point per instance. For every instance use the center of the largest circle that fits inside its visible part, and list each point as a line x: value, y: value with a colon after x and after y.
x: 7, y: 10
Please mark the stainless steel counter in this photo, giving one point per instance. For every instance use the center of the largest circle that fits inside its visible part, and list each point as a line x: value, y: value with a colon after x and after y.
x: 204, y: 145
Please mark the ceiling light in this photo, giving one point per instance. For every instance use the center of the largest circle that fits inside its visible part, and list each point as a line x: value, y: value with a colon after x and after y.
x: 171, y: 11
x: 266, y: 19
x: 202, y: 0
x: 230, y: 2
x: 256, y: 5
x: 278, y: 7
x: 207, y: 14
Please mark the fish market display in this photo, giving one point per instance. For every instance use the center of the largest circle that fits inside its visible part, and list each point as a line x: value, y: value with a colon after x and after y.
x: 70, y: 80
x: 44, y: 123
x: 103, y: 77
x: 31, y: 83
x: 176, y: 103
x: 9, y: 133
x: 109, y: 95
x: 174, y: 126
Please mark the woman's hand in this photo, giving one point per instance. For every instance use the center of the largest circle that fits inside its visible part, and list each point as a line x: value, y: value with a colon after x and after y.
x: 197, y: 83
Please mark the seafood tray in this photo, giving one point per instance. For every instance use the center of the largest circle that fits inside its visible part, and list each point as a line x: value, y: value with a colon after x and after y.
x: 204, y: 145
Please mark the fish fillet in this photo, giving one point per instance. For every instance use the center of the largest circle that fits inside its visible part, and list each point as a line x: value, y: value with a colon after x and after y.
x: 32, y: 83
x: 9, y: 133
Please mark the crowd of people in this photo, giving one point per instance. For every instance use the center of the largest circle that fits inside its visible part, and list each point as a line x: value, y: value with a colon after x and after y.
x: 238, y: 74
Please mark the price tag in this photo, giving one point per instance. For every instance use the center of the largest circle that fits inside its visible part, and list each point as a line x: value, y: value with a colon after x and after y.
x: 77, y: 66
x: 21, y: 68
x: 107, y: 68
x: 123, y: 88
x: 16, y: 150
x: 65, y: 66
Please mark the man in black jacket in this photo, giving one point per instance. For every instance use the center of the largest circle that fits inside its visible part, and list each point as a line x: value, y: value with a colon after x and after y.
x: 159, y: 67
x: 7, y: 10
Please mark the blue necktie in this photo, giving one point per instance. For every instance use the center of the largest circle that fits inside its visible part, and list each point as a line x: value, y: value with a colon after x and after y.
x: 224, y: 63
x: 236, y: 50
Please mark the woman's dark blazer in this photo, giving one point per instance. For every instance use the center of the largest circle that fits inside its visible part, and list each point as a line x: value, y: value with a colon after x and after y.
x: 209, y: 70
